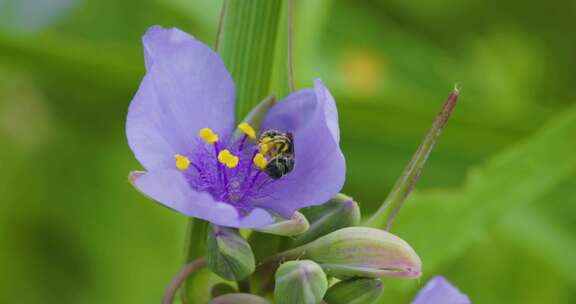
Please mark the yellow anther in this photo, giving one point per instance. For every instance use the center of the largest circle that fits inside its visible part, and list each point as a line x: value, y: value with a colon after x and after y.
x: 223, y: 155
x: 226, y: 158
x: 260, y: 161
x: 208, y: 135
x: 182, y: 162
x: 232, y: 162
x: 247, y: 129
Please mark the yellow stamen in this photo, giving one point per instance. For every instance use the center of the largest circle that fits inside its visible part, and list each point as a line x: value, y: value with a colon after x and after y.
x: 247, y: 129
x: 226, y: 158
x: 208, y: 135
x: 260, y: 161
x: 182, y: 162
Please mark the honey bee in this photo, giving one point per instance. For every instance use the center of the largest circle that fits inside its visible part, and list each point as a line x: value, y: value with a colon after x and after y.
x: 280, y: 147
x: 279, y: 166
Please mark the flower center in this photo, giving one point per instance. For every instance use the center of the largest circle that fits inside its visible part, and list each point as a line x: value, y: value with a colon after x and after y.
x: 240, y: 171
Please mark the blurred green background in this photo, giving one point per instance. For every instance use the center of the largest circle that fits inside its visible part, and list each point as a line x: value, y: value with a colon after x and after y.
x: 495, y: 210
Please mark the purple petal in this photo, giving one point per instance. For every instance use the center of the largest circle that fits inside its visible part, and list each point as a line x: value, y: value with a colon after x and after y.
x: 320, y: 168
x: 439, y: 291
x: 186, y: 88
x: 171, y: 189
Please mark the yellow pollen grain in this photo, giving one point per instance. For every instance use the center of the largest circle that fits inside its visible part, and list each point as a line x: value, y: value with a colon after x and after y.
x: 227, y: 159
x: 182, y: 162
x: 247, y: 129
x: 264, y: 148
x: 260, y: 161
x: 208, y: 135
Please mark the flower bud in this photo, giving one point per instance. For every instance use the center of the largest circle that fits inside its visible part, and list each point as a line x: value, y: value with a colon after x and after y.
x: 355, y: 291
x: 228, y: 254
x: 361, y: 252
x: 301, y: 282
x: 294, y: 226
x: 339, y: 212
x: 239, y: 298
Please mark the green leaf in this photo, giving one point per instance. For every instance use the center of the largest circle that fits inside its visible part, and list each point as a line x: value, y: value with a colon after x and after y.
x: 248, y: 47
x: 539, y: 233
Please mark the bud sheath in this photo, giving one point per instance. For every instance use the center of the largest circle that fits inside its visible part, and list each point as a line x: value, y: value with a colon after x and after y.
x: 228, y: 254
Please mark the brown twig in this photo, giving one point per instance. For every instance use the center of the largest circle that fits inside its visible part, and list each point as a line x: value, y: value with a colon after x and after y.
x: 180, y: 278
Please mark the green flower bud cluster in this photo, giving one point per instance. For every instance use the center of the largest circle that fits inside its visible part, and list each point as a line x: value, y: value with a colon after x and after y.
x: 325, y: 257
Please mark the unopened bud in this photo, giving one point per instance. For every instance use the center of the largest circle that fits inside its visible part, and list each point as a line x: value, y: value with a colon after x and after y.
x: 339, y: 212
x: 361, y: 252
x: 301, y: 282
x: 239, y: 298
x: 355, y: 291
x: 228, y: 254
x: 294, y: 226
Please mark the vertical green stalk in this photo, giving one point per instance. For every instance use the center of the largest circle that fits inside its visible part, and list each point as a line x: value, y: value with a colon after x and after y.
x: 247, y: 38
x: 247, y: 46
x: 280, y: 84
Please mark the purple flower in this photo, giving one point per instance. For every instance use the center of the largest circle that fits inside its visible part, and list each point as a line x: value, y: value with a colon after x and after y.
x: 180, y: 126
x: 439, y: 291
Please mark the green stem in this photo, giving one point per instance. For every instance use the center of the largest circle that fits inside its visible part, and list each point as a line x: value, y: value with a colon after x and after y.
x: 195, y: 248
x: 386, y: 214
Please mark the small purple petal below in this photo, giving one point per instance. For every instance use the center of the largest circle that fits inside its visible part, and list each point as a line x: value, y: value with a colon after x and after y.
x: 439, y: 291
x: 320, y: 168
x: 171, y: 189
x: 186, y: 88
